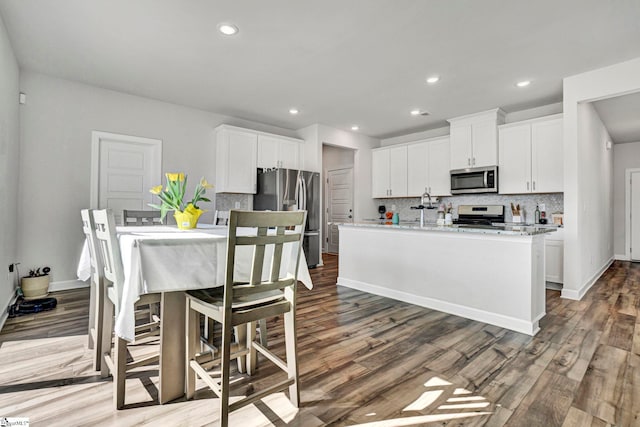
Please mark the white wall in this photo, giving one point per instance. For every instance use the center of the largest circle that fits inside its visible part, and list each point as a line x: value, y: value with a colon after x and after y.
x: 581, y: 249
x: 55, y: 130
x: 597, y: 201
x: 9, y: 155
x: 625, y: 156
x: 416, y: 136
x: 336, y: 157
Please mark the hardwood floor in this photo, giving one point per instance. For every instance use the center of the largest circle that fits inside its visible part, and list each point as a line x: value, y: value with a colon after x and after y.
x: 365, y: 360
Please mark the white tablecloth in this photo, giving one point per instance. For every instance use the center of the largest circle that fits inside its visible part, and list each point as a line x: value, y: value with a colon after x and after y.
x: 165, y: 259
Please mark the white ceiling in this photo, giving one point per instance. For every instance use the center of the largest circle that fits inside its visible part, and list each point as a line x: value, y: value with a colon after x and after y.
x: 339, y: 62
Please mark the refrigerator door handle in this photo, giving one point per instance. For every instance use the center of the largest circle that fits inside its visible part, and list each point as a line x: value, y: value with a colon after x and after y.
x: 312, y: 233
x: 303, y: 195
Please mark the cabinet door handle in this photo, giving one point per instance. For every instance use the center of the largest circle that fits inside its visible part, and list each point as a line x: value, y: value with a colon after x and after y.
x: 391, y: 192
x: 468, y: 161
x: 527, y: 185
x: 473, y: 161
x: 534, y: 186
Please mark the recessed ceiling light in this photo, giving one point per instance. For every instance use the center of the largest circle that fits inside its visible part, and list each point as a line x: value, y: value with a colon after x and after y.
x: 227, y: 29
x: 433, y: 79
x: 523, y: 83
x: 293, y: 111
x: 415, y: 112
x: 355, y: 127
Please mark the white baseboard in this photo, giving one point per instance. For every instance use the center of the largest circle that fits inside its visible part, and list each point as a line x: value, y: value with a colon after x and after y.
x: 579, y: 293
x: 66, y: 285
x: 623, y: 257
x: 5, y: 312
x: 518, y: 325
x: 53, y: 287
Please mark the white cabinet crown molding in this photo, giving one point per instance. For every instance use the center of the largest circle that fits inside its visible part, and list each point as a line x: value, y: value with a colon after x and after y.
x: 257, y: 132
x: 531, y: 121
x: 495, y: 114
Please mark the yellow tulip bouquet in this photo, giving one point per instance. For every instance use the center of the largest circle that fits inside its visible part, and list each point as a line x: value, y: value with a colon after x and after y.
x: 172, y: 198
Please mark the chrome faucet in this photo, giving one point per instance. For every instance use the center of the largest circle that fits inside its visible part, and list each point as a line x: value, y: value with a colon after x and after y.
x: 426, y: 194
x: 422, y: 207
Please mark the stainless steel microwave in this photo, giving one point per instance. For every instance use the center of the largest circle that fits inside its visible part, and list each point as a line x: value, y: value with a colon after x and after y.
x: 474, y: 180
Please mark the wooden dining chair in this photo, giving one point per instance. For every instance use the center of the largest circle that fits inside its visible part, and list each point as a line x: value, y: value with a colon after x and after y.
x: 96, y: 290
x: 242, y: 304
x: 117, y: 365
x: 131, y: 217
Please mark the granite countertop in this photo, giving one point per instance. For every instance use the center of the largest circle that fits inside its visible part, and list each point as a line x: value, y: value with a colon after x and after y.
x: 506, y: 229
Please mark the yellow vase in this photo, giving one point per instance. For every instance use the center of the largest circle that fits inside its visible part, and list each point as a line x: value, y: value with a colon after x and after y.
x: 188, y: 219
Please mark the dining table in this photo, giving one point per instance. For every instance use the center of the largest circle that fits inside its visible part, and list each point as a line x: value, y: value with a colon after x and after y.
x: 167, y: 260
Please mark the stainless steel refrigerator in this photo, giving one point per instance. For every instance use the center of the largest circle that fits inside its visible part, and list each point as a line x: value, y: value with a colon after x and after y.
x: 290, y: 189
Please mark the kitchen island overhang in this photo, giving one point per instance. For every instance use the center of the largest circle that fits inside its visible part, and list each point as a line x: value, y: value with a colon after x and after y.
x: 492, y: 276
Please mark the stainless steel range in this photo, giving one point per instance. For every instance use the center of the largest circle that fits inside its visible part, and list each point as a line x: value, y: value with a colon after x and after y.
x: 479, y: 215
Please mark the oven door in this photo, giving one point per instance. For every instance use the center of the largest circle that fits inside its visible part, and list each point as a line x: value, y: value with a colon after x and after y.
x: 478, y: 180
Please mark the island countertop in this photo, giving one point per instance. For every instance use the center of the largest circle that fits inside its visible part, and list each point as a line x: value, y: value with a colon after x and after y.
x: 507, y: 229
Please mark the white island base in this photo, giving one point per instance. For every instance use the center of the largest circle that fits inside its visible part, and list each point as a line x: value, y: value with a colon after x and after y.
x: 488, y: 277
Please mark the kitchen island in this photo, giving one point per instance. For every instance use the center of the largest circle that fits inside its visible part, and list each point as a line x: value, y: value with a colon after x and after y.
x: 489, y: 274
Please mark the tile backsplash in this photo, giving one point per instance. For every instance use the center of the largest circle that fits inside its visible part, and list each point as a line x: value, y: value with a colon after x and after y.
x: 554, y: 202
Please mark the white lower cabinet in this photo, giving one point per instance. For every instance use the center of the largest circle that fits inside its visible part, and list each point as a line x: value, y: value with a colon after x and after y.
x: 554, y: 257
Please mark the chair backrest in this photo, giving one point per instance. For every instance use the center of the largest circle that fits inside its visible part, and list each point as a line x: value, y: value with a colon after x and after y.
x: 130, y: 217
x: 109, y: 248
x: 221, y: 218
x: 89, y: 229
x: 268, y: 229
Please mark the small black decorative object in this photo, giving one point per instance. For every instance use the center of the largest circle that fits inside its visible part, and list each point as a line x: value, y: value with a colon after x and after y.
x: 381, y: 210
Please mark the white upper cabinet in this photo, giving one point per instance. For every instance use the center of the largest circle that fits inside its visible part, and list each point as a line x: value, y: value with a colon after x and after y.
x: 417, y: 170
x: 439, y: 167
x: 389, y: 172
x: 236, y: 160
x: 474, y: 139
x: 380, y: 173
x: 547, y: 159
x: 428, y: 168
x: 514, y: 167
x: 531, y: 158
x: 278, y: 152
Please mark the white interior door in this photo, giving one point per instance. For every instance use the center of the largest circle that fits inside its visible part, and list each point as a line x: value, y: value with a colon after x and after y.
x: 124, y: 168
x: 340, y: 204
x: 634, y: 216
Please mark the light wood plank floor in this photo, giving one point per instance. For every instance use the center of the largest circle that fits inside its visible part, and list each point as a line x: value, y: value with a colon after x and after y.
x: 365, y: 360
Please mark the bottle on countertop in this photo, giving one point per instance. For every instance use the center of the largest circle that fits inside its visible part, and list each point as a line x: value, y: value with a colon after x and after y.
x: 396, y: 218
x: 537, y: 215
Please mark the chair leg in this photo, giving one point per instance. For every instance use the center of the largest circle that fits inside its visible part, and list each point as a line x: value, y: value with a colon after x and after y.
x: 241, y: 339
x: 192, y: 343
x: 98, y: 326
x: 292, y: 354
x: 107, y: 332
x: 263, y: 332
x: 224, y: 371
x: 120, y: 374
x: 252, y: 357
x: 92, y: 317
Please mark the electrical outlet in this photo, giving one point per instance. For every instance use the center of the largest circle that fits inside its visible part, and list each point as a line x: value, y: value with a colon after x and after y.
x: 237, y: 205
x: 543, y: 207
